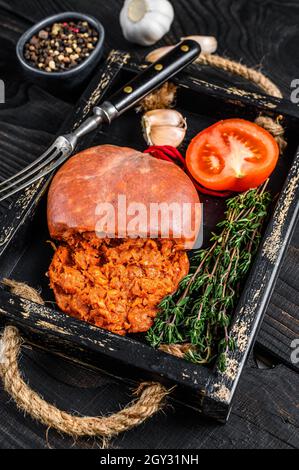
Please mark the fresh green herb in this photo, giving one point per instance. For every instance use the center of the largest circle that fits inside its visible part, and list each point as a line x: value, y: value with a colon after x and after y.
x: 200, y: 311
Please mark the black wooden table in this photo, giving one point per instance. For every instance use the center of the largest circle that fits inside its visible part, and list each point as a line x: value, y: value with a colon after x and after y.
x: 262, y: 34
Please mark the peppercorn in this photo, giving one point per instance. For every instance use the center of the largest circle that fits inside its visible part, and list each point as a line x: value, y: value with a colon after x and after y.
x: 61, y: 46
x: 52, y: 65
x: 43, y: 34
x: 34, y: 41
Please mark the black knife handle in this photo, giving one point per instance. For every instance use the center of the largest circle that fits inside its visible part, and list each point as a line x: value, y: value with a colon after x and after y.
x: 155, y: 75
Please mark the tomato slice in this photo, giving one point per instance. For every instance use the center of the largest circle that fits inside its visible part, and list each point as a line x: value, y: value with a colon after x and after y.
x: 233, y: 154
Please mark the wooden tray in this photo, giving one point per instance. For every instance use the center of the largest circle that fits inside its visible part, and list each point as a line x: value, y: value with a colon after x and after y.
x: 25, y: 255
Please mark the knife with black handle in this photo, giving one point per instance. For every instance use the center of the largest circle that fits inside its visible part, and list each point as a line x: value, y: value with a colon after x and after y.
x: 127, y: 97
x: 146, y: 82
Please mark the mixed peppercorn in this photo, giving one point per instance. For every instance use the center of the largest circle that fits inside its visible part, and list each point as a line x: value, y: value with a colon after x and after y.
x: 62, y: 46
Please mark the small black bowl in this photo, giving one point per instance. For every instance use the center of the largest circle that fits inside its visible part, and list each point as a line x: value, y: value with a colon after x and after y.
x: 71, y: 78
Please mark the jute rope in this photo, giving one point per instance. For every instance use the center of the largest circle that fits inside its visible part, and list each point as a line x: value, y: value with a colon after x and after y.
x: 151, y: 395
x: 241, y: 70
x: 275, y: 128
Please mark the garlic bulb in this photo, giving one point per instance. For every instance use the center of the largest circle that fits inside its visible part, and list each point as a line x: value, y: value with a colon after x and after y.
x: 208, y: 45
x: 164, y: 127
x: 144, y: 22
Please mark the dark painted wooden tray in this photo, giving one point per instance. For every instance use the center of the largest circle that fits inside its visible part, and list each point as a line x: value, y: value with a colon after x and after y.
x: 25, y: 255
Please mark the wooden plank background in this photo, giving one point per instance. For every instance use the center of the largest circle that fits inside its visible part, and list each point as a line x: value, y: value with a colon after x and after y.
x: 262, y: 34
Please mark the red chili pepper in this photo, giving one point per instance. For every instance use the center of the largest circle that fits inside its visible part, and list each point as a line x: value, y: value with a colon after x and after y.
x: 209, y: 192
x: 171, y: 154
x: 159, y: 154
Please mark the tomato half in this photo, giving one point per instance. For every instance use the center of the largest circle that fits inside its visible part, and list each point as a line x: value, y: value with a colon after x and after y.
x: 233, y: 154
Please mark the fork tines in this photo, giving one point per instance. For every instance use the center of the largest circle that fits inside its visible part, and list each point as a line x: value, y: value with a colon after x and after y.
x: 45, y: 164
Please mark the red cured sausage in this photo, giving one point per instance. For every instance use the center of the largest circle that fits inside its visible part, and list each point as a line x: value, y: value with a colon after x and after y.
x: 117, y: 284
x: 101, y: 174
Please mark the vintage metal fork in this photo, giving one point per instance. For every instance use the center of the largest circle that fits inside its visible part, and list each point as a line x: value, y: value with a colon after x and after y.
x: 63, y: 147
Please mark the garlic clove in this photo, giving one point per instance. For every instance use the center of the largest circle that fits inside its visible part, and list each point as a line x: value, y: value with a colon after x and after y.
x: 164, y: 117
x: 208, y: 44
x: 167, y: 135
x: 156, y: 54
x: 164, y: 127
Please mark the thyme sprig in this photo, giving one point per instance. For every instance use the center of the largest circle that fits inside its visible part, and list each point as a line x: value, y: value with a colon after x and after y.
x: 200, y: 311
